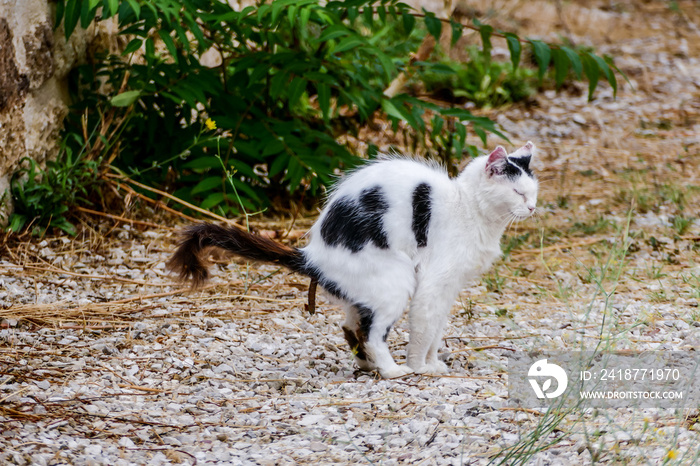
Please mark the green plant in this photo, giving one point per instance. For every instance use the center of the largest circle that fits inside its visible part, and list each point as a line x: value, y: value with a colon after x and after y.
x: 293, y: 76
x: 681, y: 223
x: 43, y: 197
x: 484, y: 83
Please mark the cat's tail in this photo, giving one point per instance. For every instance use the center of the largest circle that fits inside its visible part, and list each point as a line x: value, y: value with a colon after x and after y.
x: 189, y: 262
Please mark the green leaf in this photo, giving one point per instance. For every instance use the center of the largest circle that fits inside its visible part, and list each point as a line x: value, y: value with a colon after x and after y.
x: 207, y: 184
x: 438, y: 68
x: 150, y: 50
x: 486, y: 31
x: 135, y: 7
x: 203, y: 162
x: 348, y: 43
x: 296, y: 89
x: 605, y: 68
x: 381, y: 13
x: 277, y: 84
x: 275, y: 146
x: 304, y: 17
x: 433, y: 24
x: 561, y: 66
x: 457, y: 29
x: 132, y: 46
x: 87, y: 12
x: 60, y: 9
x: 64, y: 224
x: 574, y: 60
x: 169, y: 43
x: 387, y: 65
x: 592, y: 72
x: 333, y: 32
x: 514, y: 48
x: 324, y: 99
x: 397, y: 109
x: 17, y: 222
x: 368, y: 16
x: 391, y: 109
x: 71, y: 16
x: 212, y: 200
x: 113, y: 8
x: 279, y: 163
x: 276, y: 10
x: 125, y: 98
x: 543, y: 54
x: 409, y: 22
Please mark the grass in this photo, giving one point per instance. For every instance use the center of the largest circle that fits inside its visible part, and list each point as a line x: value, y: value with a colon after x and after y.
x: 608, y: 268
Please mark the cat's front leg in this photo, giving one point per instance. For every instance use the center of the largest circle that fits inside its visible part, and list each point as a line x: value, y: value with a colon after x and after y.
x: 428, y: 314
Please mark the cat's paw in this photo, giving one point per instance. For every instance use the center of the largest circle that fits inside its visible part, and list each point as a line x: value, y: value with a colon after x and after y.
x: 436, y: 368
x: 395, y: 371
x: 365, y: 365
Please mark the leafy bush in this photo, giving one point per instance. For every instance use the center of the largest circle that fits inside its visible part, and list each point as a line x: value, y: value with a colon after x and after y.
x: 479, y: 81
x: 294, y: 75
x: 43, y: 197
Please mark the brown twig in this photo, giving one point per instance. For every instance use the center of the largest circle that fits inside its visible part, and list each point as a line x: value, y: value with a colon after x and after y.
x: 311, y: 306
x: 556, y: 247
x: 173, y: 198
x: 123, y: 219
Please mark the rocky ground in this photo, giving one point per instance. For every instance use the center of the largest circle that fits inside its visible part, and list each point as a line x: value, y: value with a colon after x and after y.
x: 104, y: 359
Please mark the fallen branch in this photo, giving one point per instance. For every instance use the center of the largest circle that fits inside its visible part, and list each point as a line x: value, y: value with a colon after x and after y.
x: 173, y: 198
x: 556, y: 247
x: 123, y: 219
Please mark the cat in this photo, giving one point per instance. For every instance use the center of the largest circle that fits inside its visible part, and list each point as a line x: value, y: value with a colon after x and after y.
x: 393, y: 232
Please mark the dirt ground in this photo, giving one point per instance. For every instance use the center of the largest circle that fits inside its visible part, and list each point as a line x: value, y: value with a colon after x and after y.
x: 104, y: 359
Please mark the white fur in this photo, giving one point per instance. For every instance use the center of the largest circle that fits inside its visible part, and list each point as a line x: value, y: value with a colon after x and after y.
x: 469, y: 214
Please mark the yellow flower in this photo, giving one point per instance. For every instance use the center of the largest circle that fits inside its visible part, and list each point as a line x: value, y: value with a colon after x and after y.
x: 672, y: 454
x: 210, y: 124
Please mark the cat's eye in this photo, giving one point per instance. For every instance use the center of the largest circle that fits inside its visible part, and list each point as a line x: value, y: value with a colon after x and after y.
x: 518, y: 192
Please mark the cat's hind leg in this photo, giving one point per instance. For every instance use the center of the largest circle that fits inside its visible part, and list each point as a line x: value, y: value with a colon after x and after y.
x: 355, y: 338
x: 366, y: 331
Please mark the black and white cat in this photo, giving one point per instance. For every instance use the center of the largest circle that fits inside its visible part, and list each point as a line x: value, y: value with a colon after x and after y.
x: 394, y: 232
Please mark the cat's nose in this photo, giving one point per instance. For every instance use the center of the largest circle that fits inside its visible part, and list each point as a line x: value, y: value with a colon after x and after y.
x: 531, y: 208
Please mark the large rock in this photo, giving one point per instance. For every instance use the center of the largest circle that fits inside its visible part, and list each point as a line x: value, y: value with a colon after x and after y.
x: 34, y: 62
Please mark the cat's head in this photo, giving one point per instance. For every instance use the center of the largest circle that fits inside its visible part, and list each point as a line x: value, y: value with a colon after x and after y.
x: 511, y: 185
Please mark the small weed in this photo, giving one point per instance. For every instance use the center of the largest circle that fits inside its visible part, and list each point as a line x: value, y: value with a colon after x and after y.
x: 681, y: 223
x: 467, y: 309
x: 642, y: 199
x: 660, y: 295
x: 655, y: 272
x: 663, y: 124
x: 43, y: 198
x: 562, y: 201
x: 694, y: 316
x: 649, y: 317
x: 494, y: 282
x: 503, y: 312
x: 597, y: 226
x: 514, y: 242
x: 675, y: 194
x: 693, y: 281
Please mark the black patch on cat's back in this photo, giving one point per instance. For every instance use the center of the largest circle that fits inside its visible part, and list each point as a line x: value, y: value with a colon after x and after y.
x: 421, y: 213
x: 355, y: 222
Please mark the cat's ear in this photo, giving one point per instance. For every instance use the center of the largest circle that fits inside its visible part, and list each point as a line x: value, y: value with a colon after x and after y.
x: 496, y: 163
x: 523, y: 156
